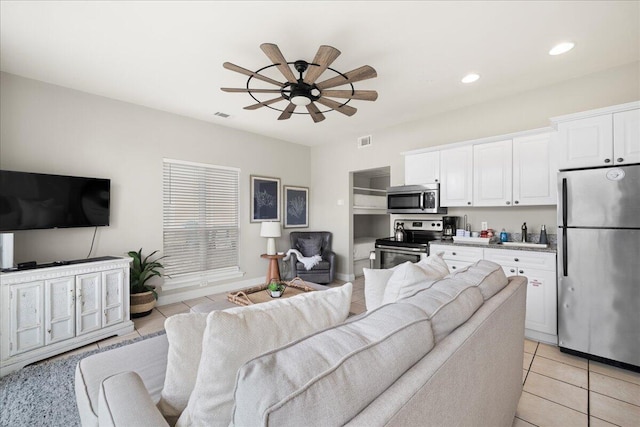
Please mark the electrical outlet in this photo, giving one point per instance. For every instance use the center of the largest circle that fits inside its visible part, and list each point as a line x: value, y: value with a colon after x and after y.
x: 484, y: 225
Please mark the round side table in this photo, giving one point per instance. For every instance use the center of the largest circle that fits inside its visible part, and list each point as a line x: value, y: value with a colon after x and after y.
x: 273, y: 271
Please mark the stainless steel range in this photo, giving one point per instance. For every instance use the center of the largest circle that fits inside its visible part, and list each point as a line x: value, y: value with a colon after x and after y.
x: 413, y: 247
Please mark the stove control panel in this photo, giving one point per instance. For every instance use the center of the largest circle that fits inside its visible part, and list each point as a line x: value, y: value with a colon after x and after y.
x: 419, y: 225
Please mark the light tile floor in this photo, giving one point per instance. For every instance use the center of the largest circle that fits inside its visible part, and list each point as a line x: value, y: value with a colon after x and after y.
x: 559, y: 389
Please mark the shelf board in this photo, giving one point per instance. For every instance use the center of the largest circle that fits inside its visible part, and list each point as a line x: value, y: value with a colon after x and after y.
x: 373, y: 190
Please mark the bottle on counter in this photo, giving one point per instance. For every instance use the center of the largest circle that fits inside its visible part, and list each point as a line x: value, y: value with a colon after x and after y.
x: 504, y: 237
x: 524, y: 232
x: 543, y: 235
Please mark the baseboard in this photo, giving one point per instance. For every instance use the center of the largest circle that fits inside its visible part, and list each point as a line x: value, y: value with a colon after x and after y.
x: 346, y: 277
x: 178, y: 295
x: 541, y: 337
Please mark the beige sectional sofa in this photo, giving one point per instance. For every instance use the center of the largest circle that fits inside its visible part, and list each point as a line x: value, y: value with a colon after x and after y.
x: 449, y: 353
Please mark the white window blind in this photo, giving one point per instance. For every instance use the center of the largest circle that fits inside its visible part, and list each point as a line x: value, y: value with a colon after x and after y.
x: 200, y: 228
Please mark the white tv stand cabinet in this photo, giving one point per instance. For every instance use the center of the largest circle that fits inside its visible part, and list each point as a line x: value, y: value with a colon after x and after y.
x: 50, y: 310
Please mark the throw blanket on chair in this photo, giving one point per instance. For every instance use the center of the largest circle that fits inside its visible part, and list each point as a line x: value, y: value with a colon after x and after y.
x: 308, y: 262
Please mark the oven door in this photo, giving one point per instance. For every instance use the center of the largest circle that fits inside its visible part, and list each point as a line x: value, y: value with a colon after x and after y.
x: 390, y: 256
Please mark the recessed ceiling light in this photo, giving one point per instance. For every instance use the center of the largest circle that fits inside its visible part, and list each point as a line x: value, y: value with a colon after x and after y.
x: 470, y: 78
x: 561, y: 48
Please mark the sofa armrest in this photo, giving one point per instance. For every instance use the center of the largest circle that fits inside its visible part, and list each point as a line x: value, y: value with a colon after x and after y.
x: 125, y: 401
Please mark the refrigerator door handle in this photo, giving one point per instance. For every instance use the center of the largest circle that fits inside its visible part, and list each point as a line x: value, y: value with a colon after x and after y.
x: 564, y: 202
x: 564, y: 252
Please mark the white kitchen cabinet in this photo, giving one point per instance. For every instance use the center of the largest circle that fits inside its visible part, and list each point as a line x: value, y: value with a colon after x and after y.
x: 492, y: 173
x: 626, y: 137
x: 604, y: 137
x: 51, y: 310
x: 59, y: 309
x: 535, y: 170
x: 456, y: 176
x: 422, y: 168
x: 541, y: 320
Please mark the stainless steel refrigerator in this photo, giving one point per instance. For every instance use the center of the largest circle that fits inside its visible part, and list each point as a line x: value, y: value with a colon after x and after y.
x: 599, y: 263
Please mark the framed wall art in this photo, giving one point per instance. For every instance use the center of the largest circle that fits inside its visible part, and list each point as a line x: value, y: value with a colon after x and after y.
x: 296, y: 207
x: 265, y: 199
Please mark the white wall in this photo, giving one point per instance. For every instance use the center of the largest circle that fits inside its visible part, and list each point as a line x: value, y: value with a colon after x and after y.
x: 331, y: 164
x: 51, y: 129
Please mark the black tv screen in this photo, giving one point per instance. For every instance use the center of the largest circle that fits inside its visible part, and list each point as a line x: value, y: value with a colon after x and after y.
x: 30, y: 201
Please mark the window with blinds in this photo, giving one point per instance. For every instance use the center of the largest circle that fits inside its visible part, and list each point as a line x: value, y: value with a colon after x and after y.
x: 200, y: 226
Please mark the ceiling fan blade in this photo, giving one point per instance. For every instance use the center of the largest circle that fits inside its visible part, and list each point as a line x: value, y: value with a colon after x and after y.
x: 287, y: 111
x: 363, y: 73
x: 238, y: 69
x: 238, y: 89
x: 324, y: 57
x: 316, y: 115
x: 274, y: 54
x: 364, y: 95
x: 344, y: 109
x: 263, y: 103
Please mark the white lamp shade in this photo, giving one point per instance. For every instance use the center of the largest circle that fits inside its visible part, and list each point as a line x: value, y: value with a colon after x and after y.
x: 270, y: 229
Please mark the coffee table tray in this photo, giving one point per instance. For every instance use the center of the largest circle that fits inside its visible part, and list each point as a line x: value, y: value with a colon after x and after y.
x: 259, y: 294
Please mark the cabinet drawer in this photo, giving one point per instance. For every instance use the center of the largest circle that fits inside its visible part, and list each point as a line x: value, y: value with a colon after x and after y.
x: 457, y: 253
x: 523, y: 259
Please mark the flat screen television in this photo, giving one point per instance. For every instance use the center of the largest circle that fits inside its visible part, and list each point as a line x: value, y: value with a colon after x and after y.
x: 30, y: 201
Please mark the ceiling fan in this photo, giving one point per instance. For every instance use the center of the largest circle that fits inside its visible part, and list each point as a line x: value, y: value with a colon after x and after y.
x: 303, y: 90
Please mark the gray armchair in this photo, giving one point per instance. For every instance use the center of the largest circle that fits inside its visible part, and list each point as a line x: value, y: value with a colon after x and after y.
x: 311, y: 243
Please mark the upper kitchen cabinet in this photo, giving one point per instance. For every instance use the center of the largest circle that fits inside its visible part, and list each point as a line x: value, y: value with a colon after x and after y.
x: 604, y: 137
x: 422, y: 168
x: 535, y: 171
x: 492, y: 173
x: 456, y: 176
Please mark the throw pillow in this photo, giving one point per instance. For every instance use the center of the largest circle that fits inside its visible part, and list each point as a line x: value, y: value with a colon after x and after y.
x: 375, y: 282
x: 184, y: 333
x: 235, y: 336
x: 434, y: 266
x: 311, y: 246
x: 405, y: 280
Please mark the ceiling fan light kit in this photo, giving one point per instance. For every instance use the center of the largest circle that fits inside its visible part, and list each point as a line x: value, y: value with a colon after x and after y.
x: 303, y: 91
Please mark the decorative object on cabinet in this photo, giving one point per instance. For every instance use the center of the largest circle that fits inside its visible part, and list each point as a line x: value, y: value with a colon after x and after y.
x: 265, y: 199
x: 303, y: 90
x: 296, y: 207
x: 143, y: 296
x: 270, y: 230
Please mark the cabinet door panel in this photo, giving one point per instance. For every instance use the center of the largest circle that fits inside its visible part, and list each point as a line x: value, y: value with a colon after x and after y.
x: 492, y: 169
x: 456, y: 176
x: 534, y: 171
x: 112, y: 283
x: 27, y: 317
x: 626, y: 137
x: 60, y: 309
x: 88, y: 309
x: 586, y: 142
x: 422, y: 168
x: 541, y: 301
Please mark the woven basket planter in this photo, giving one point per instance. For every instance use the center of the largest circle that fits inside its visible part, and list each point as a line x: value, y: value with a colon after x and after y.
x: 142, y: 304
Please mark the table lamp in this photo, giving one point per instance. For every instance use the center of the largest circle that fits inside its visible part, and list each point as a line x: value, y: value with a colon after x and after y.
x: 270, y: 230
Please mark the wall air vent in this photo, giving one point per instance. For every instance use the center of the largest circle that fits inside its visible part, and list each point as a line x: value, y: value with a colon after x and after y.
x: 223, y: 115
x: 364, y: 141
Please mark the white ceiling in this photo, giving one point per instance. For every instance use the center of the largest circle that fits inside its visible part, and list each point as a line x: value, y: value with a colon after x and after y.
x: 168, y: 55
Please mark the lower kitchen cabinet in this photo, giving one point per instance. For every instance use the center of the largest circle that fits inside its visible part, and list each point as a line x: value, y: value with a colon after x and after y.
x: 538, y: 267
x: 48, y: 311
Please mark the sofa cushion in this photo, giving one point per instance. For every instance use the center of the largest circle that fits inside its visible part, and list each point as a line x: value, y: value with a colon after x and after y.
x: 377, y: 280
x: 234, y: 336
x: 310, y: 246
x: 348, y: 365
x: 409, y: 278
x: 448, y: 303
x: 184, y: 332
x: 486, y: 275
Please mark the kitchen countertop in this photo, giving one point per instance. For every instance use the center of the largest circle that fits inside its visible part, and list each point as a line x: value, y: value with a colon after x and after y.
x: 551, y: 248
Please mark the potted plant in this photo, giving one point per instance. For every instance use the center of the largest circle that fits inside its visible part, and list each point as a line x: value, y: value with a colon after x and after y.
x: 275, y: 289
x: 142, y: 295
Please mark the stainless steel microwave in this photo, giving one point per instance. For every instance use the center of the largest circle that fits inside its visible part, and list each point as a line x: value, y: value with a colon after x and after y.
x: 414, y: 199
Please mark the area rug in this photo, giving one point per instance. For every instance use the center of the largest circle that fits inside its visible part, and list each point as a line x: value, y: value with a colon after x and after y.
x: 43, y: 394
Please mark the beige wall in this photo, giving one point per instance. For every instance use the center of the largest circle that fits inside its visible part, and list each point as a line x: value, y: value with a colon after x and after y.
x: 529, y: 110
x: 50, y: 129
